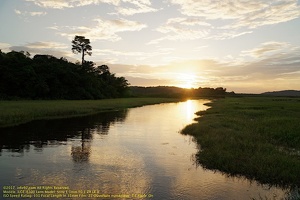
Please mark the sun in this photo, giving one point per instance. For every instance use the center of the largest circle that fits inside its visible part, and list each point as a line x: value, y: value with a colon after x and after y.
x: 187, y: 85
x: 187, y: 81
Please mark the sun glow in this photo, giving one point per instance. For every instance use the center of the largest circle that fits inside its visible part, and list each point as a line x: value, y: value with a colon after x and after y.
x: 187, y: 81
x: 187, y: 85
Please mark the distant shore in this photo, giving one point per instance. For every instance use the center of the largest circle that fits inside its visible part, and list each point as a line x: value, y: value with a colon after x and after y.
x: 256, y: 137
x: 18, y: 112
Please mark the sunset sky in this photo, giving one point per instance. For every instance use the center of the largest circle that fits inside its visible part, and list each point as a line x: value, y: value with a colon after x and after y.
x: 247, y: 46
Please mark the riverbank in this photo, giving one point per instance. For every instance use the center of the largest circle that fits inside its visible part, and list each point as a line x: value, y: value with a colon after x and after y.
x: 255, y: 137
x: 18, y: 112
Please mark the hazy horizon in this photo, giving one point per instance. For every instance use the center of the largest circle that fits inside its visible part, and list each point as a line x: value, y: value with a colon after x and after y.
x: 242, y: 45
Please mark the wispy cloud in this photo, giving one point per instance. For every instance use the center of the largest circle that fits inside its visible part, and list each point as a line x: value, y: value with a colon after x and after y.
x: 183, y: 29
x: 193, y: 28
x: 103, y: 30
x: 37, y: 13
x: 187, y: 21
x: 246, y: 13
x: 18, y: 12
x: 279, y: 63
x: 139, y: 6
x: 276, y: 12
x: 26, y: 13
x: 226, y: 34
x: 121, y: 6
x: 239, y: 17
x: 111, y: 52
x: 226, y: 9
x: 265, y: 48
x: 61, y: 4
x: 47, y: 45
x: 134, y: 55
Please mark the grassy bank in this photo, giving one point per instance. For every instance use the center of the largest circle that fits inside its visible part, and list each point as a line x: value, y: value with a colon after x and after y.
x: 17, y: 112
x: 255, y: 137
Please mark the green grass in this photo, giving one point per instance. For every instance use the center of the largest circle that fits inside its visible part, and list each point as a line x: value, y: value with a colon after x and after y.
x: 255, y: 137
x: 17, y: 112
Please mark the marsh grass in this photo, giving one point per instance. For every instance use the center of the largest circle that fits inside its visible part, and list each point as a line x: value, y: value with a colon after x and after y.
x: 256, y: 137
x: 17, y: 112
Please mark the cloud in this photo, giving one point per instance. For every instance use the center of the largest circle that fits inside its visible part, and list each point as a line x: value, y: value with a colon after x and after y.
x: 183, y: 29
x: 276, y: 12
x: 136, y: 6
x: 266, y: 48
x: 25, y: 13
x: 37, y: 13
x: 238, y: 17
x: 103, y: 30
x: 179, y: 34
x: 47, y: 45
x: 227, y: 34
x: 61, y: 4
x: 53, y: 27
x: 277, y: 68
x: 18, y: 12
x: 4, y: 47
x: 187, y: 21
x: 140, y: 6
x: 104, y: 52
x: 193, y: 28
x: 132, y: 55
x: 212, y: 9
x: 247, y: 13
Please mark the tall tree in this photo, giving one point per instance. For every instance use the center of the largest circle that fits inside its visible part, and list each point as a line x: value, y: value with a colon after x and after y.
x: 81, y: 45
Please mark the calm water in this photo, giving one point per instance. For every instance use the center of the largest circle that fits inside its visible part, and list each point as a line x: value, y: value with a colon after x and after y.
x: 138, y: 151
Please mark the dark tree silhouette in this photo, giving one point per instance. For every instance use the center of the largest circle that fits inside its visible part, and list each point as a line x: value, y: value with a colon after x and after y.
x: 170, y: 91
x: 102, y: 69
x: 81, y: 45
x: 48, y: 77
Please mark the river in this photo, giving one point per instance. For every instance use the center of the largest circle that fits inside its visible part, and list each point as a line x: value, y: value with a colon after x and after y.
x: 137, y: 153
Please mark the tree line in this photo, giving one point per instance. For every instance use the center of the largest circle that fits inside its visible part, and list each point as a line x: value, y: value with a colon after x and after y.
x: 48, y: 77
x: 171, y: 91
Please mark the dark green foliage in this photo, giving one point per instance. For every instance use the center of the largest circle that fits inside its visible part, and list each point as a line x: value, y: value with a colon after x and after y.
x: 47, y: 77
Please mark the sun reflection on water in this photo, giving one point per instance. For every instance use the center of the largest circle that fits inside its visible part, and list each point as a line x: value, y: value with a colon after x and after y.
x: 189, y: 104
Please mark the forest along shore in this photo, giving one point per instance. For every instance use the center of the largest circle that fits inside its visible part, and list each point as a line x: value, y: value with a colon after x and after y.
x: 257, y: 137
x: 18, y: 112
